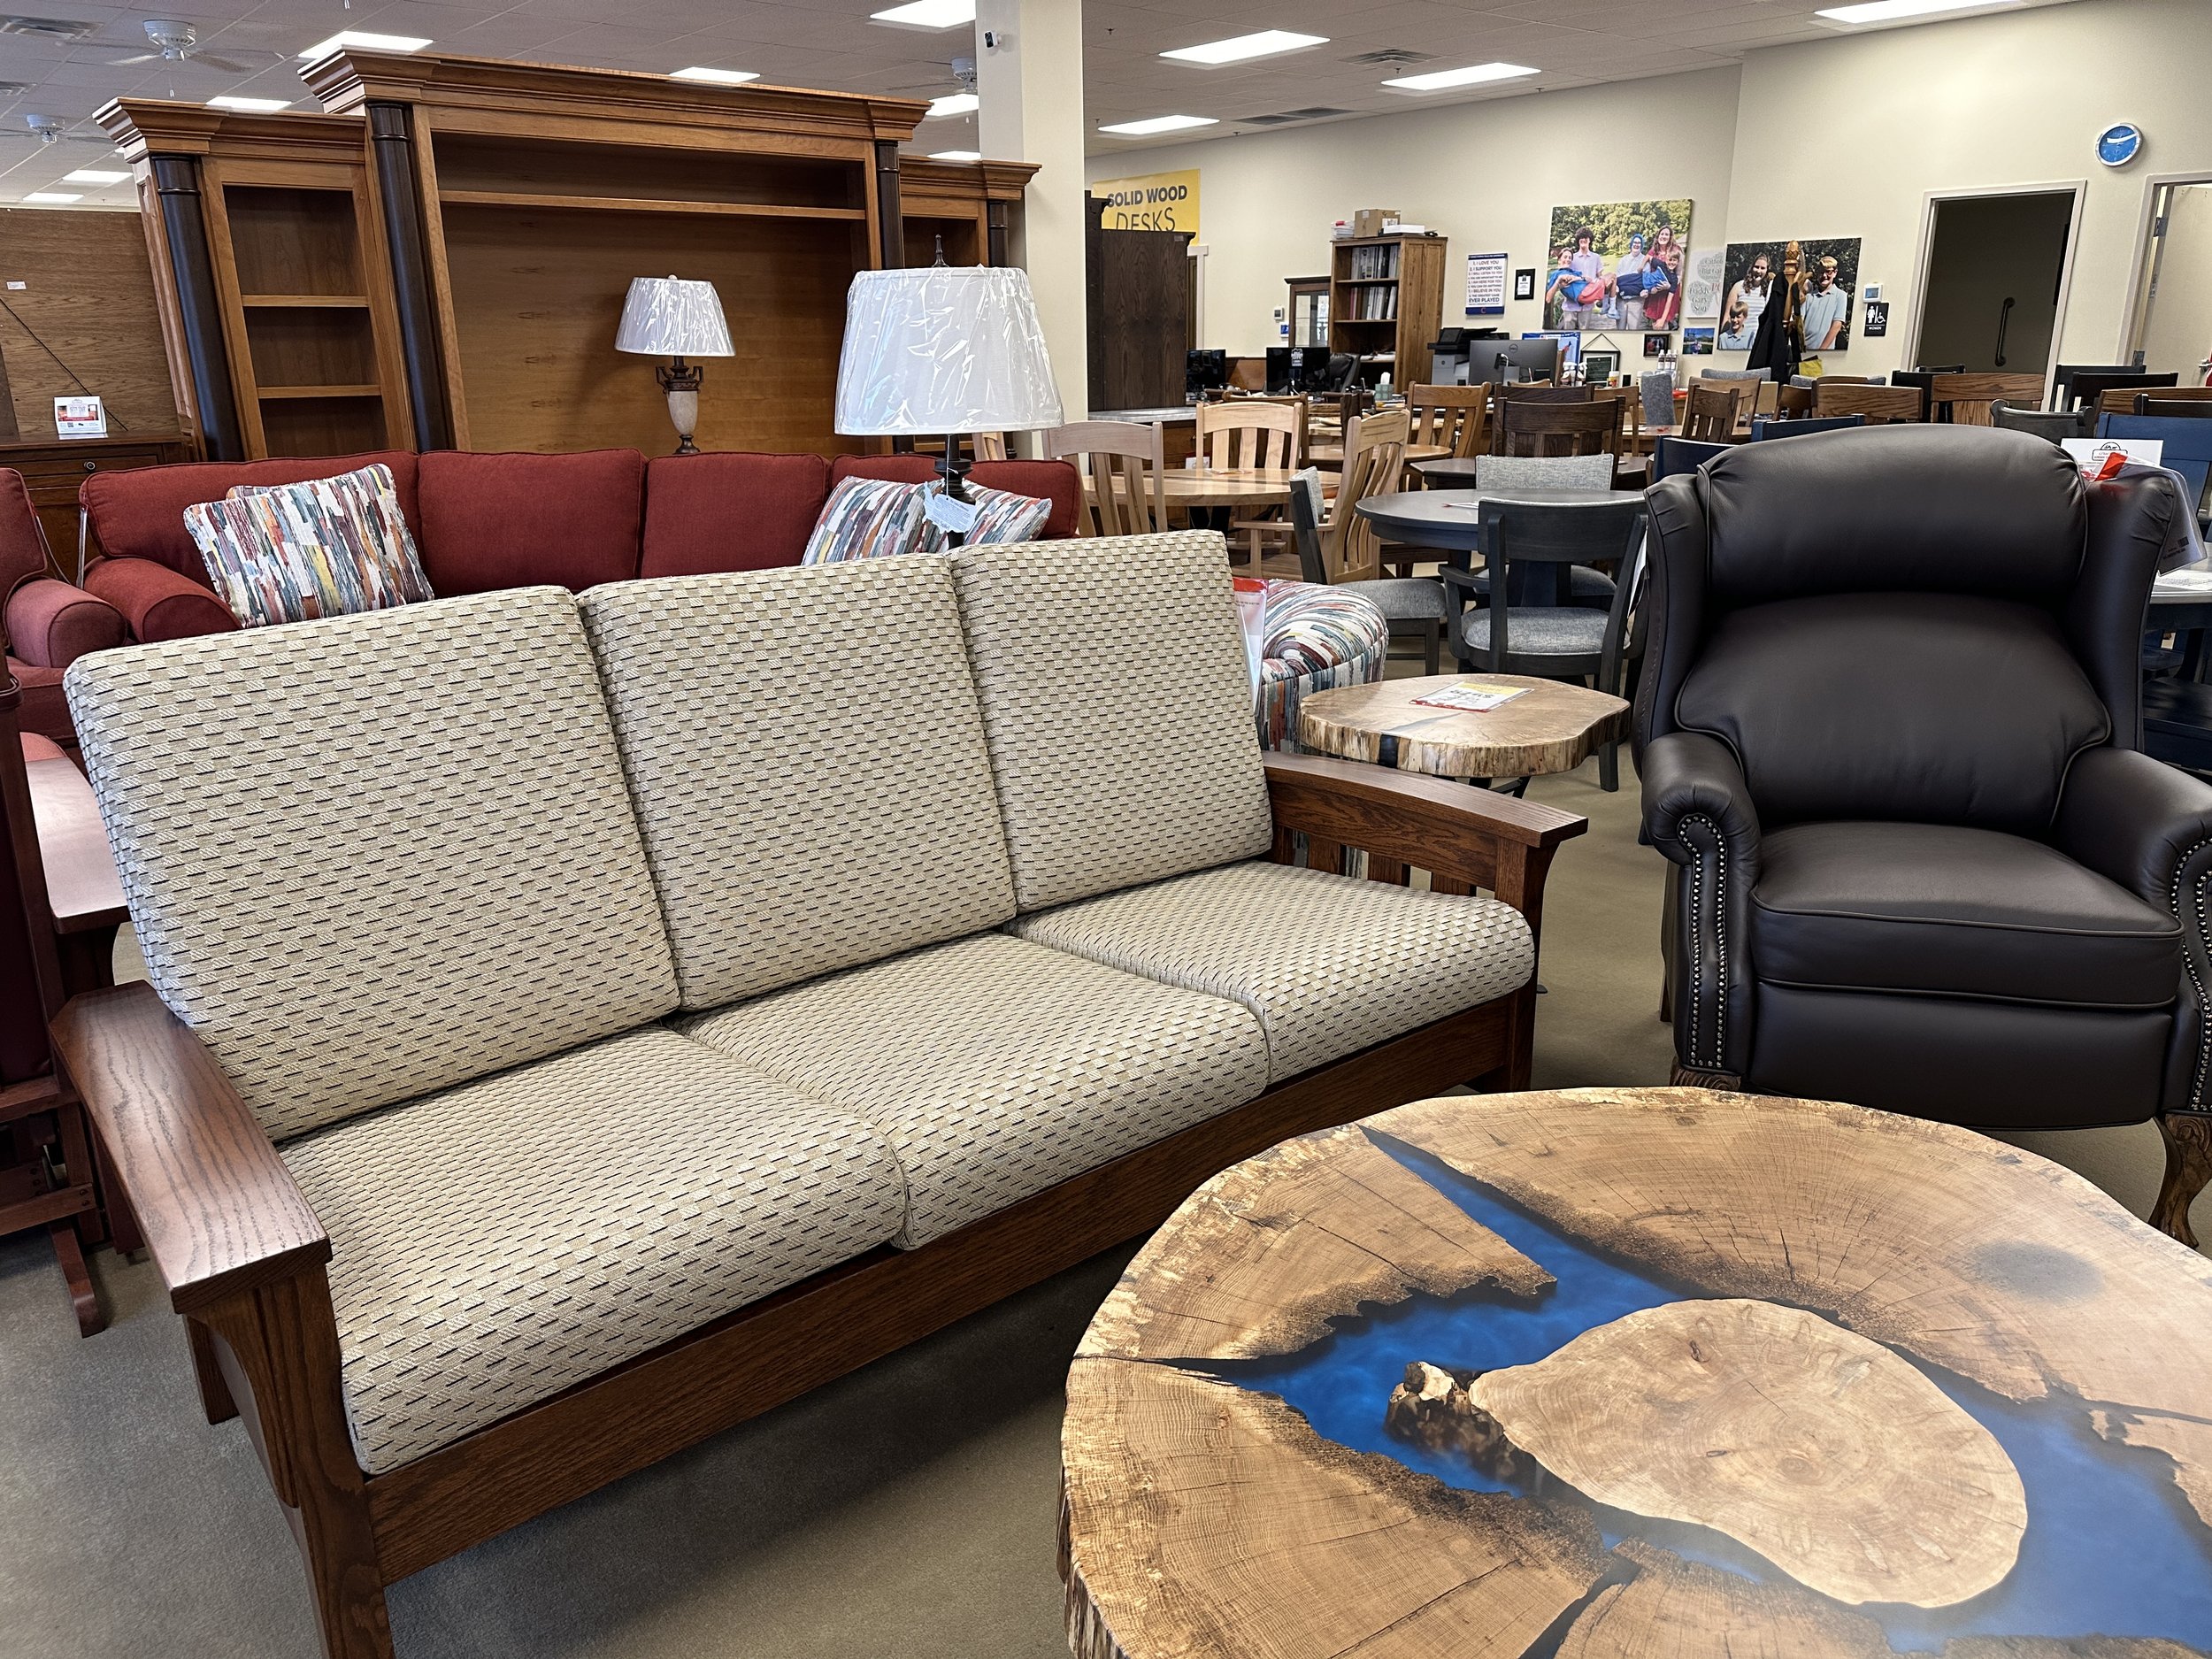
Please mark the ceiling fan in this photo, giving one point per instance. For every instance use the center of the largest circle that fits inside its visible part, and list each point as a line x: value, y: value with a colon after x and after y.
x: 179, y: 42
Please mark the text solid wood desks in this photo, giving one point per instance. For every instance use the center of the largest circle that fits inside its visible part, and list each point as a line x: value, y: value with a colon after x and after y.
x: 1551, y: 726
x: 1639, y: 1372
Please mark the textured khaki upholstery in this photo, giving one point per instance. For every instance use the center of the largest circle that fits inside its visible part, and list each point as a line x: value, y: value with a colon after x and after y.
x: 380, y: 854
x: 496, y: 1243
x: 807, y: 758
x: 997, y: 1068
x: 1328, y: 964
x: 1118, y: 710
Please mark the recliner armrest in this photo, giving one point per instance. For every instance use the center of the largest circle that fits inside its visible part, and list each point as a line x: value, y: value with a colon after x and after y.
x: 1698, y: 812
x: 50, y: 624
x: 1688, y: 775
x: 2136, y: 821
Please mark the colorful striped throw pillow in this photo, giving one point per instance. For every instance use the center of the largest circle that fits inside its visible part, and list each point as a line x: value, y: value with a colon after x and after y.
x: 328, y: 546
x: 879, y: 517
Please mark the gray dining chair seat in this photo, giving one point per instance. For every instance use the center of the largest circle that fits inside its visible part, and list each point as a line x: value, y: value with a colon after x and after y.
x: 1404, y: 598
x: 1583, y: 586
x: 1540, y: 630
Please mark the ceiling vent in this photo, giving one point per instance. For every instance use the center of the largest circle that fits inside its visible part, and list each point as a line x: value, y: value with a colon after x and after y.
x: 1284, y: 117
x: 61, y: 30
x: 1393, y: 54
x: 8, y: 89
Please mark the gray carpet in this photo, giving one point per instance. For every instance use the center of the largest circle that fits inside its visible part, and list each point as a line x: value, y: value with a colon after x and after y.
x: 907, y: 1509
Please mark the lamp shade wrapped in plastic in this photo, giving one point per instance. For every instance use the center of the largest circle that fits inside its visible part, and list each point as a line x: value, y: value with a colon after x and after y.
x: 943, y: 349
x: 667, y: 317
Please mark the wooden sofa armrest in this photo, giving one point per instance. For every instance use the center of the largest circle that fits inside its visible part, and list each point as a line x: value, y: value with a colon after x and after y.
x: 1464, y: 836
x: 220, y: 1210
x: 83, y: 888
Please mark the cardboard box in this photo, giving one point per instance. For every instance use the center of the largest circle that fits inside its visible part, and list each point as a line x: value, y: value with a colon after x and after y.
x: 1368, y: 221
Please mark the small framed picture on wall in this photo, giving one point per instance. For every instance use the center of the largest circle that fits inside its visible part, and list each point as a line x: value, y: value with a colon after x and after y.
x: 1600, y: 364
x: 1657, y: 345
x: 1524, y: 284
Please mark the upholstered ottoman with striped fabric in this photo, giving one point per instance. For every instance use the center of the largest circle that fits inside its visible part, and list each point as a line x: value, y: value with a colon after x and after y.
x: 1314, y: 638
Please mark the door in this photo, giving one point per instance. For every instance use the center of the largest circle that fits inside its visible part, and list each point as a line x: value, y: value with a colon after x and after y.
x: 2173, y: 327
x: 1996, y: 267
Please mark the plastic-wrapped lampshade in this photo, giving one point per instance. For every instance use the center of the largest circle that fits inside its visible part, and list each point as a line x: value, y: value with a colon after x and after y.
x: 943, y: 349
x: 667, y: 317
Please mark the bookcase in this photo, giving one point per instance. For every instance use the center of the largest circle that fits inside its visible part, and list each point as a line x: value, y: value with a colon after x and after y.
x: 970, y: 204
x: 1386, y: 301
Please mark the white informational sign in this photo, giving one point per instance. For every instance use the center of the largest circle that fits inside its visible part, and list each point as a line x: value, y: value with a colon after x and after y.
x: 1700, y: 294
x: 80, y: 417
x: 2089, y: 453
x: 1486, y: 284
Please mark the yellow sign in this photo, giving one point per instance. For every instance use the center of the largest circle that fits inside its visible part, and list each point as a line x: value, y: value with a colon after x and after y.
x: 1158, y: 201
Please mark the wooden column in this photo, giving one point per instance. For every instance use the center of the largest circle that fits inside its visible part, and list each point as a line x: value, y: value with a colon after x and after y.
x: 199, y: 308
x: 998, y: 215
x: 890, y: 227
x: 392, y: 154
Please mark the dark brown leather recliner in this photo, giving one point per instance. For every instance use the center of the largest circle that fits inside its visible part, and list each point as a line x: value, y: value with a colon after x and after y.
x: 1890, y: 740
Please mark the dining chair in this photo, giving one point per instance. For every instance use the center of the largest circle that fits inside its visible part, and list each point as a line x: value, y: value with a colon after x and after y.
x: 1528, y: 428
x: 990, y: 446
x: 1709, y: 416
x: 1374, y: 464
x: 1254, y: 433
x: 2093, y: 386
x: 1125, y: 482
x: 1586, y: 586
x: 1793, y: 402
x: 1879, y: 403
x: 2174, y: 403
x: 1920, y: 378
x: 1412, y: 605
x: 1670, y: 456
x: 1969, y: 396
x: 1555, y: 642
x: 1457, y: 418
x: 2054, y: 424
x: 1764, y: 429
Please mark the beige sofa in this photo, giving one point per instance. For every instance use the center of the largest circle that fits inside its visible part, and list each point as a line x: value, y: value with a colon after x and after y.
x: 577, y: 1022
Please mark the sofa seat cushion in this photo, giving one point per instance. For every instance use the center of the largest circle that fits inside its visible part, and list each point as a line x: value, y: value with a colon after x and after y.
x: 496, y: 1243
x: 729, y: 511
x: 1328, y: 966
x: 1944, y: 910
x: 997, y: 1068
x: 512, y: 520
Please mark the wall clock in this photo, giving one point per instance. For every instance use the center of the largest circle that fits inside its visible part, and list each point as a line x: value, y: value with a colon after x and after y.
x: 2116, y: 146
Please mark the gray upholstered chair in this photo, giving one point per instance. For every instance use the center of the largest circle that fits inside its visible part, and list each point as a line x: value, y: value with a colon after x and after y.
x: 2054, y: 424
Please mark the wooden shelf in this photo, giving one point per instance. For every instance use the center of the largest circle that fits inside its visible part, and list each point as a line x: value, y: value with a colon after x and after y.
x: 1369, y: 282
x: 304, y: 302
x: 268, y: 393
x: 644, y: 204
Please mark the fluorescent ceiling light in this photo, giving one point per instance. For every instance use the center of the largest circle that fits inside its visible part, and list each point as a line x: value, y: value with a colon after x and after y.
x: 367, y: 43
x: 955, y: 155
x: 54, y: 198
x: 251, y: 106
x: 1890, y: 10
x: 929, y: 14
x: 953, y: 104
x: 1473, y: 75
x: 1159, y: 124
x: 94, y: 175
x: 714, y: 77
x: 1264, y: 44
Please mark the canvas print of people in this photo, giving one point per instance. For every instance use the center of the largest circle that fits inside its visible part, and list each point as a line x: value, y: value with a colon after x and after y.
x: 1617, y: 264
x: 1753, y: 275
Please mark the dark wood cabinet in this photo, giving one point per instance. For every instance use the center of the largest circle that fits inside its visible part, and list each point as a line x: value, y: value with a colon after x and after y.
x: 53, y: 468
x: 1143, y: 304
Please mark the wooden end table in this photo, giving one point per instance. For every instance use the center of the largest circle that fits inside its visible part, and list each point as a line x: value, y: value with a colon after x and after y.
x: 1551, y: 727
x: 1644, y: 1372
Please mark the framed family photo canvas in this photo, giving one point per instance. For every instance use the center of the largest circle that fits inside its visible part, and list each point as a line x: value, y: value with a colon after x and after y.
x: 1617, y: 264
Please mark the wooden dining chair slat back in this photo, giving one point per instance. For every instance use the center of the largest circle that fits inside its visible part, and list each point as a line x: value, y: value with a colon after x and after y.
x: 1248, y: 431
x: 1877, y: 404
x: 990, y: 446
x: 1590, y: 426
x: 1709, y: 416
x: 1454, y: 418
x: 1374, y: 464
x: 2178, y: 402
x: 1125, y: 481
x: 1969, y: 395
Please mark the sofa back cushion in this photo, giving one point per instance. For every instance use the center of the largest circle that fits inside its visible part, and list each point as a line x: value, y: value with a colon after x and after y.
x: 730, y: 513
x: 377, y: 855
x: 1117, y: 705
x: 1055, y: 481
x: 806, y: 753
x: 494, y: 520
x: 141, y: 514
x: 22, y: 544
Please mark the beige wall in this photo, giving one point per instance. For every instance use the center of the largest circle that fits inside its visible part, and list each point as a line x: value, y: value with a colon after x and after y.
x: 2180, y: 331
x: 1835, y: 137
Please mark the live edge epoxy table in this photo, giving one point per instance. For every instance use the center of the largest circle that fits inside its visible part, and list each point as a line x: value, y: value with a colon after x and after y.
x: 1649, y: 1372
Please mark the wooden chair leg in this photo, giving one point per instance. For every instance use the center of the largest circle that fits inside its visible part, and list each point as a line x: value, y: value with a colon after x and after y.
x: 69, y: 1252
x: 2188, y: 1137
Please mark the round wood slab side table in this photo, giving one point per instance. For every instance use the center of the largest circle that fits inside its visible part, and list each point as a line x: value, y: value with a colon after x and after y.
x: 1550, y: 726
x: 1644, y: 1374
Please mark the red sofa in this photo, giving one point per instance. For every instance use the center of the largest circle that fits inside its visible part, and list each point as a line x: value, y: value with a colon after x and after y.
x: 49, y: 624
x: 481, y: 521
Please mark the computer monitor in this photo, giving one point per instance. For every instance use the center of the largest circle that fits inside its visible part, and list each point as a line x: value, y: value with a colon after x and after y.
x: 1297, y: 369
x: 1536, y: 360
x: 1205, y: 371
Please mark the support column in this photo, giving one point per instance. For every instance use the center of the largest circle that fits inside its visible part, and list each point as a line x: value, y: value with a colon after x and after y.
x: 1029, y: 75
x: 890, y: 225
x: 199, y: 309
x: 392, y: 150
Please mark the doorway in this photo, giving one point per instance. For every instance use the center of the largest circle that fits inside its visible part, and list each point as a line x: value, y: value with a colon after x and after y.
x: 2171, y: 326
x: 1994, y: 279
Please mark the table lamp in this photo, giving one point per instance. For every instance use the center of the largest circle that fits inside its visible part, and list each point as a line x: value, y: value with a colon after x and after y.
x: 943, y: 351
x: 667, y: 317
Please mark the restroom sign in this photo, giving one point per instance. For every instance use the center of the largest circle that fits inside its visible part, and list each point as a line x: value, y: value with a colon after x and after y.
x: 1158, y: 201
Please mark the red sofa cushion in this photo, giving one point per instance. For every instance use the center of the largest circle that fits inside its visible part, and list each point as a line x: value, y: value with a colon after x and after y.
x: 157, y: 603
x: 50, y: 624
x: 516, y: 520
x: 1056, y: 481
x: 141, y: 514
x: 730, y: 512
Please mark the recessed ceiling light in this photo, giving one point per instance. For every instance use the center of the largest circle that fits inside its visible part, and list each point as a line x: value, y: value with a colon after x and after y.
x: 54, y: 198
x: 955, y: 155
x: 953, y: 104
x: 367, y: 43
x: 1473, y: 75
x: 94, y: 175
x: 928, y: 14
x: 250, y: 106
x: 1159, y: 124
x: 1890, y: 10
x: 1265, y: 43
x: 714, y: 77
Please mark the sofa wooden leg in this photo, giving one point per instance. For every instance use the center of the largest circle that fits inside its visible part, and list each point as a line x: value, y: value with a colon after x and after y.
x: 1685, y: 1077
x: 283, y: 1339
x: 2188, y: 1137
x: 208, y: 1369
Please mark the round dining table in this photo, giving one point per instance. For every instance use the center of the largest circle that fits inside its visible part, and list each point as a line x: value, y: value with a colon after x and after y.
x: 1451, y: 518
x: 1198, y: 489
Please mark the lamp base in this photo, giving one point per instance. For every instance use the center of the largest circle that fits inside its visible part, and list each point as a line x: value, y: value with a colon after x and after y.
x: 680, y: 380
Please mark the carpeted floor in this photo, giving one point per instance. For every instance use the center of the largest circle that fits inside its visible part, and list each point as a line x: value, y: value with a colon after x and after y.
x: 907, y: 1509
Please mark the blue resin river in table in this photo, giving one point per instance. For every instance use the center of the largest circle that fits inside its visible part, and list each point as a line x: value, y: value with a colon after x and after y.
x: 2112, y: 1548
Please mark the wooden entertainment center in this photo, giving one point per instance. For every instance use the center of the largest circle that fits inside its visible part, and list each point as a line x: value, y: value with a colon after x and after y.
x: 439, y: 259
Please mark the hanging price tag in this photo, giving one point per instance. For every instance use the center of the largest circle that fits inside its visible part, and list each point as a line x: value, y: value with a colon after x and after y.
x: 955, y: 517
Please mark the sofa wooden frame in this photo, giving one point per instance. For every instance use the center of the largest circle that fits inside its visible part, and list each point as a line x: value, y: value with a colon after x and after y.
x: 243, y: 1256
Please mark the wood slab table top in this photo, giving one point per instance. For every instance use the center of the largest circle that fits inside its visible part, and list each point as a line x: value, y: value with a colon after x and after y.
x: 1644, y: 1374
x: 1551, y: 726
